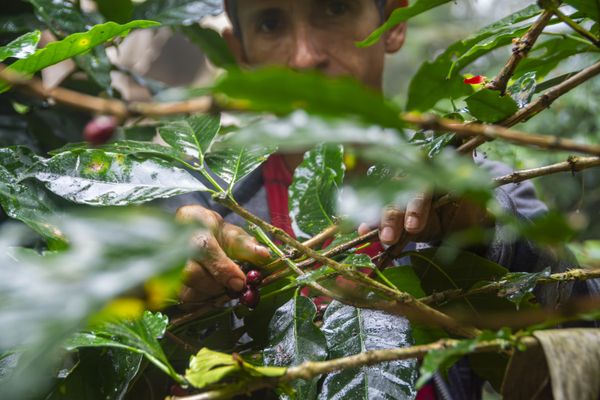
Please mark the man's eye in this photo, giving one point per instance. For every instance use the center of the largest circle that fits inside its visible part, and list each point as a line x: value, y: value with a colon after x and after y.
x: 269, y: 23
x: 336, y: 8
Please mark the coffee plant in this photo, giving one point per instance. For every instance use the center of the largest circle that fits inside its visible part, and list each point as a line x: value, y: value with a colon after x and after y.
x: 89, y: 278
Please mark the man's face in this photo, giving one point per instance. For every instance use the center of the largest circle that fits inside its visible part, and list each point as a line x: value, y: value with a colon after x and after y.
x: 312, y: 34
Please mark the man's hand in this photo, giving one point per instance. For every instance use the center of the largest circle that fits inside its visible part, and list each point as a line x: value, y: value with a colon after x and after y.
x: 213, y: 272
x: 424, y: 223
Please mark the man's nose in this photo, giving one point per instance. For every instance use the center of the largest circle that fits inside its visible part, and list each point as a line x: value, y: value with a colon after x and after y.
x: 307, y: 52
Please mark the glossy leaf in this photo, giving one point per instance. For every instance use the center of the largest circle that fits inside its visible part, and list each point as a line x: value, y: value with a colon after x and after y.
x: 212, y: 44
x: 136, y: 148
x: 21, y: 47
x: 26, y: 200
x: 178, y: 12
x: 313, y: 193
x: 523, y: 89
x: 489, y: 106
x: 117, y: 368
x: 73, y: 45
x: 400, y: 15
x: 234, y: 164
x: 313, y: 92
x: 294, y: 339
x: 517, y: 285
x: 210, y: 367
x: 47, y: 298
x: 138, y: 336
x: 101, y: 178
x: 192, y: 137
x: 351, y: 331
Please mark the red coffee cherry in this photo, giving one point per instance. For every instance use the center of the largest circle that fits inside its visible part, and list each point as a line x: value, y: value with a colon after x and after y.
x: 253, y: 278
x: 99, y: 130
x: 250, y: 297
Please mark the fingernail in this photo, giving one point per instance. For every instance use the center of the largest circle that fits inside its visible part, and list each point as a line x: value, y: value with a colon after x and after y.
x: 412, y: 222
x: 387, y: 234
x: 236, y: 284
x: 362, y: 228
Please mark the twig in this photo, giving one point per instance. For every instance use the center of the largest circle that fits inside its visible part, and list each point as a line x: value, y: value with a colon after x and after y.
x: 402, y: 304
x: 485, y: 132
x: 540, y: 104
x: 447, y: 295
x: 573, y: 164
x: 521, y: 49
x: 311, y: 369
x: 576, y: 27
x: 98, y: 105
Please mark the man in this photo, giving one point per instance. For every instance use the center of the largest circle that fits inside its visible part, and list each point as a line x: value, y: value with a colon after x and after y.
x: 321, y: 35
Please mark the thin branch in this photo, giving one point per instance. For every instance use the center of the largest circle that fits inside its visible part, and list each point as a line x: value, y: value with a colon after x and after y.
x: 98, y: 105
x: 576, y: 27
x: 573, y: 164
x: 572, y: 275
x: 521, y: 49
x: 537, y: 106
x: 402, y: 304
x: 488, y: 132
x: 310, y: 369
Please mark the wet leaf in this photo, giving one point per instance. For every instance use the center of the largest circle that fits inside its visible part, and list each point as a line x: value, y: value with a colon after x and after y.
x: 400, y: 15
x: 46, y: 298
x: 517, y: 285
x: 234, y: 164
x: 590, y: 8
x: 21, y: 47
x: 139, y: 336
x: 293, y: 339
x: 140, y: 149
x: 351, y: 331
x: 101, y: 178
x: 75, y: 44
x: 192, y: 137
x: 313, y: 193
x: 210, y: 367
x: 523, y: 89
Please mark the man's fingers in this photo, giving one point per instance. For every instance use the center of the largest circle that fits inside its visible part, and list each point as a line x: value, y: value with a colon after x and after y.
x: 199, y: 281
x: 417, y: 214
x: 242, y: 246
x: 210, y: 219
x: 221, y: 268
x: 391, y: 226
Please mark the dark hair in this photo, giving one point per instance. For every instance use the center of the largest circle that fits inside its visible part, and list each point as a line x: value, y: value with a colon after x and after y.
x: 231, y: 8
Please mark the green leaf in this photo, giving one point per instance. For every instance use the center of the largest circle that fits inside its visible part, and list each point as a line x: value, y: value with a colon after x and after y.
x: 294, y: 339
x: 400, y: 15
x: 21, y: 47
x: 234, y: 164
x: 313, y: 193
x: 442, y: 359
x: 119, y: 11
x: 210, y: 367
x: 311, y: 91
x: 138, y: 336
x: 489, y: 106
x: 140, y: 149
x: 432, y: 81
x: 47, y: 298
x: 517, y: 285
x: 191, y: 137
x: 178, y: 12
x: 352, y: 331
x: 22, y: 200
x: 117, y: 368
x: 523, y: 89
x: 73, y: 45
x: 591, y: 8
x: 101, y: 178
x: 212, y: 44
x: 438, y: 273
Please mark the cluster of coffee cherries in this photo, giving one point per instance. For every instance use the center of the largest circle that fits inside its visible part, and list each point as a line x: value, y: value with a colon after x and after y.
x: 250, y: 296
